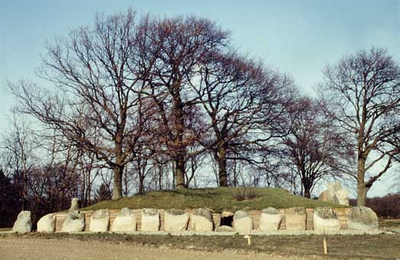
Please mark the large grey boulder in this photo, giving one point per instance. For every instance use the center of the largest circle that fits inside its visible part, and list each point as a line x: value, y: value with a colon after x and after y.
x: 175, y: 220
x: 325, y: 219
x: 23, y: 224
x: 362, y: 218
x: 100, y: 221
x: 201, y: 220
x: 150, y: 220
x: 74, y: 222
x: 270, y: 219
x: 335, y: 194
x: 74, y: 204
x: 295, y: 218
x: 242, y: 222
x: 125, y: 221
x: 47, y: 223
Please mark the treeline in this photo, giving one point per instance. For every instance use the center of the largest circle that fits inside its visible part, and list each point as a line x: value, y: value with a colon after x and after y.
x: 136, y: 103
x: 385, y: 207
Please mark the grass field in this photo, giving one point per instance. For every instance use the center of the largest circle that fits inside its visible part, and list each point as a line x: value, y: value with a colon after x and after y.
x: 216, y: 199
x: 385, y: 246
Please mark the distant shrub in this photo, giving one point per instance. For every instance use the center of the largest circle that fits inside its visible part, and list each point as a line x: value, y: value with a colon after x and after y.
x: 245, y: 193
x: 385, y: 207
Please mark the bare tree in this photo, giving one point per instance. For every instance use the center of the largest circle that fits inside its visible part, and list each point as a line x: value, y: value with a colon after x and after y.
x: 98, y: 80
x: 311, y: 145
x: 176, y: 47
x: 242, y: 100
x: 363, y: 94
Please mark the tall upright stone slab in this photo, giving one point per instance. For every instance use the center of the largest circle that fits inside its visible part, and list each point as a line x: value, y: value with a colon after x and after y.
x: 175, y: 220
x: 74, y: 222
x: 362, y: 218
x: 325, y: 219
x: 74, y: 205
x: 150, y: 220
x: 242, y: 222
x: 100, y: 221
x: 335, y: 194
x: 47, y: 223
x: 270, y: 219
x: 125, y: 221
x: 23, y: 224
x: 295, y: 218
x: 201, y: 220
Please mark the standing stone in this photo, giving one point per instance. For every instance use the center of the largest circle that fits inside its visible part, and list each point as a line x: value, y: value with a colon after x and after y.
x: 270, y: 219
x: 242, y: 222
x: 342, y: 197
x: 175, y: 220
x: 325, y: 219
x: 150, y: 220
x: 100, y: 221
x: 74, y: 222
x: 362, y: 218
x: 225, y: 229
x: 125, y: 221
x: 47, y: 223
x: 335, y: 194
x: 201, y: 220
x: 23, y: 224
x: 295, y: 218
x: 74, y: 204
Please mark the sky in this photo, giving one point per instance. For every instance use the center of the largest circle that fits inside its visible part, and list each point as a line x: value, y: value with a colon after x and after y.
x: 299, y: 37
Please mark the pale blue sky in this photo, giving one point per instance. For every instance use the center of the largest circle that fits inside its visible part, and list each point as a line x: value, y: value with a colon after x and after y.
x: 298, y: 36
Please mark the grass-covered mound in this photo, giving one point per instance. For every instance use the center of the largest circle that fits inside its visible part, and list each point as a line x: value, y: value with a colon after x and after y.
x: 216, y: 199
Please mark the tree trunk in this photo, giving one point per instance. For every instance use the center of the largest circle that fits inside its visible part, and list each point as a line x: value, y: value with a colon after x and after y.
x: 179, y: 145
x: 117, y: 187
x: 307, y: 193
x: 180, y: 172
x: 307, y: 185
x: 223, y: 176
x: 362, y: 190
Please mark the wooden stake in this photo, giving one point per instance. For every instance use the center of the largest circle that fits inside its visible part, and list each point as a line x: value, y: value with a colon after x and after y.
x: 325, y: 247
x: 248, y: 239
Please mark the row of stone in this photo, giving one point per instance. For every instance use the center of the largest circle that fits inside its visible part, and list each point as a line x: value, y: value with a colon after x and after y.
x: 324, y: 219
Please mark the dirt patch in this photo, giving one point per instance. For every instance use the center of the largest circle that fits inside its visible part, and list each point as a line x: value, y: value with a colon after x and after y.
x: 384, y: 246
x: 39, y: 248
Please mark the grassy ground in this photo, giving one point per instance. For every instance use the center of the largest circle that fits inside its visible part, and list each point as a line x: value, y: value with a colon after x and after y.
x: 385, y: 246
x: 217, y: 199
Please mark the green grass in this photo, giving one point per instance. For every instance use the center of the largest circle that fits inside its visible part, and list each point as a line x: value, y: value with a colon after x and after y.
x: 216, y: 199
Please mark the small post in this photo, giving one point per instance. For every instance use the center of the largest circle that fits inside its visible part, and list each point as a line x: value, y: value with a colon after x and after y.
x: 248, y: 239
x: 325, y: 247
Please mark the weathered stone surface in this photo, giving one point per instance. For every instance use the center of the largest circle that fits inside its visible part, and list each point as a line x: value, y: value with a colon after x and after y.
x: 74, y: 222
x: 175, y: 220
x: 23, y: 224
x: 47, y: 223
x: 150, y: 220
x: 226, y: 214
x: 342, y: 196
x: 242, y: 222
x: 325, y: 219
x: 125, y: 221
x: 100, y: 221
x: 362, y: 218
x: 295, y: 218
x: 74, y: 204
x: 270, y: 219
x: 225, y: 229
x: 201, y: 220
x: 335, y: 194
